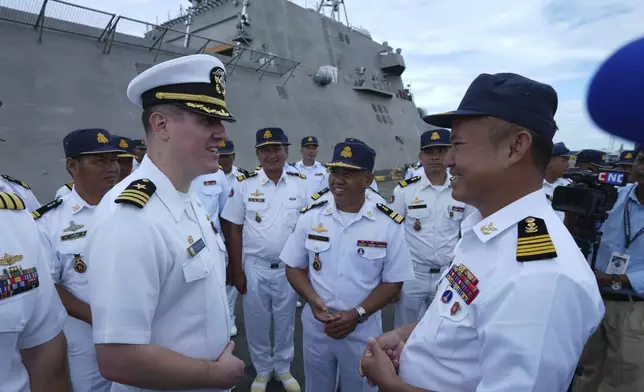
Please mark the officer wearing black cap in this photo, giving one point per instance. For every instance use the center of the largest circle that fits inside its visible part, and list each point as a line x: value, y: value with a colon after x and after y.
x: 127, y: 157
x: 262, y: 210
x: 348, y: 258
x: 65, y: 225
x: 32, y: 341
x: 432, y: 224
x: 625, y: 162
x: 593, y: 160
x: 316, y: 174
x: 518, y: 301
x: 158, y: 269
x: 556, y: 168
x: 140, y: 150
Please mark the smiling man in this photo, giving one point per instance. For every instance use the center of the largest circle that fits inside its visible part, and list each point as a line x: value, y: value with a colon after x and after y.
x: 64, y: 224
x: 157, y: 273
x: 518, y: 301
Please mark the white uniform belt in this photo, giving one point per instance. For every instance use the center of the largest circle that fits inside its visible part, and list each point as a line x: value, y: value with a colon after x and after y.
x: 270, y: 263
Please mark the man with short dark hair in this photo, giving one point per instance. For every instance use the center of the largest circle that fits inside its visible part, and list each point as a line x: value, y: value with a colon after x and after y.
x: 316, y: 174
x: 518, y: 302
x: 556, y: 168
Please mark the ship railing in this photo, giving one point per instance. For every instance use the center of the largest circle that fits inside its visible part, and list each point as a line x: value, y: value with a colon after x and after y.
x: 109, y: 29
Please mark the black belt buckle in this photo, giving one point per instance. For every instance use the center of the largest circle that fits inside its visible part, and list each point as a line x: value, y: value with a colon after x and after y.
x: 434, y: 270
x: 275, y: 266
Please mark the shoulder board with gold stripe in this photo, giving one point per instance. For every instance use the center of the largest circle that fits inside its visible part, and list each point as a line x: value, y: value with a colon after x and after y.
x: 320, y: 193
x: 15, y: 181
x: 391, y: 213
x: 412, y: 180
x: 11, y: 201
x: 246, y: 176
x: 534, y: 242
x: 37, y: 214
x: 243, y: 171
x: 258, y: 167
x: 312, y: 206
x: 302, y: 176
x: 69, y: 185
x: 138, y: 193
x: 376, y: 192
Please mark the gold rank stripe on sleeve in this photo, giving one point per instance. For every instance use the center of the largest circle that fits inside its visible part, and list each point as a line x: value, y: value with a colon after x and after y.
x: 302, y: 176
x: 320, y: 193
x: 11, y: 201
x: 138, y: 193
x: 391, y: 213
x: 37, y: 214
x: 312, y: 206
x: 246, y: 176
x: 412, y: 180
x: 534, y: 242
x: 15, y: 181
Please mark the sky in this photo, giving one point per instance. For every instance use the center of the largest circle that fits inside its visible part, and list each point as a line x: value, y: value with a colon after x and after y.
x: 446, y: 44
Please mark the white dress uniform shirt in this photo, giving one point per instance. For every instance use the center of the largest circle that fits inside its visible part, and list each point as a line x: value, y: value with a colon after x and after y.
x: 356, y: 253
x: 212, y: 189
x: 144, y: 285
x: 432, y: 228
x: 549, y: 189
x: 317, y: 177
x: 11, y: 185
x: 232, y: 176
x: 135, y: 164
x: 268, y: 213
x: 526, y: 327
x: 64, y: 190
x: 30, y: 318
x: 65, y: 229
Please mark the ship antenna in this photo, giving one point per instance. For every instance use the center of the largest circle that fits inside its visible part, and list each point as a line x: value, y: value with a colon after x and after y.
x: 334, y: 5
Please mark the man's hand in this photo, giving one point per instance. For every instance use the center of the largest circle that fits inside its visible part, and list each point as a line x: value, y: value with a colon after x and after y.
x: 230, y: 281
x: 377, y: 365
x: 240, y: 281
x: 228, y: 368
x: 345, y: 322
x: 320, y: 311
x: 391, y: 344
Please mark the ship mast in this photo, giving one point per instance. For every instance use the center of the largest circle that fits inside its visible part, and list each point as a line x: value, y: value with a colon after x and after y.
x: 334, y: 5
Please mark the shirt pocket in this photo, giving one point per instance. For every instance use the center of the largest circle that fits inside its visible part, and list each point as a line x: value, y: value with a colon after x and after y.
x: 452, y: 326
x: 197, y: 272
x: 70, y: 264
x: 212, y: 190
x: 256, y: 211
x: 317, y: 248
x: 455, y: 212
x: 291, y: 208
x: 366, y: 263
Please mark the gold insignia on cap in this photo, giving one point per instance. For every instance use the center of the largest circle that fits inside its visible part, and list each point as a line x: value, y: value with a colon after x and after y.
x: 346, y: 152
x: 320, y: 228
x: 101, y: 138
x: 488, y: 229
x: 268, y: 134
x: 628, y: 155
x: 222, y: 144
x: 123, y: 144
x: 435, y: 136
x: 533, y: 241
x: 142, y: 142
x: 8, y: 259
x: 603, y: 157
x: 218, y: 78
x: 310, y: 139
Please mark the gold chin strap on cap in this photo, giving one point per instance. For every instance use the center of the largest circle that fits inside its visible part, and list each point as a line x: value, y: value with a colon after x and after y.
x: 191, y: 97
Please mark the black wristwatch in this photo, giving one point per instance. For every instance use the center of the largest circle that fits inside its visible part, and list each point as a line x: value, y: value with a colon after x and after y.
x: 362, y: 314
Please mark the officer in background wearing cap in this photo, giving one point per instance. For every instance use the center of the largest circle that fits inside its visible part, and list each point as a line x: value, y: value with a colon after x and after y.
x: 12, y: 185
x: 432, y: 225
x: 625, y: 162
x: 226, y: 163
x: 612, y: 359
x: 64, y: 225
x: 518, y: 301
x: 348, y: 259
x: 316, y: 174
x: 140, y: 150
x: 32, y: 342
x: 127, y: 157
x: 157, y: 279
x: 263, y: 209
x: 593, y: 160
x: 555, y: 170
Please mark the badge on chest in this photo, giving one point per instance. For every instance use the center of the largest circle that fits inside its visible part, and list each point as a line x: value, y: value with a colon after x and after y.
x: 463, y: 282
x: 74, y: 236
x: 195, y: 247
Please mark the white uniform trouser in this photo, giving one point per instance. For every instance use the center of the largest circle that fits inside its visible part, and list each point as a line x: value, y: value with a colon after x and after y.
x: 232, y: 301
x: 269, y: 296
x: 83, y: 367
x: 416, y: 295
x: 324, y: 356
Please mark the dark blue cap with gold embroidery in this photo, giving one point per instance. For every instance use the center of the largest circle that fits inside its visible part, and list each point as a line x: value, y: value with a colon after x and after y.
x: 125, y: 144
x: 358, y: 141
x: 267, y: 136
x: 227, y: 147
x: 357, y: 156
x: 435, y: 138
x: 593, y: 157
x: 140, y: 144
x: 310, y: 141
x: 88, y: 141
x: 560, y: 150
x: 626, y: 158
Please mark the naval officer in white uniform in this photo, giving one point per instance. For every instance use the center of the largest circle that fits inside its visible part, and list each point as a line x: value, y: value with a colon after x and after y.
x: 555, y: 170
x: 158, y: 277
x: 317, y: 177
x: 348, y: 258
x: 518, y: 302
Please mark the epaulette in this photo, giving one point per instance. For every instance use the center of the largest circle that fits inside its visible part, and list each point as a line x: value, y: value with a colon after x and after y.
x: 243, y: 171
x: 320, y: 193
x: 548, y: 197
x: 258, y: 167
x: 376, y: 192
x: 325, y: 165
x: 138, y: 193
x: 15, y: 181
x: 412, y: 180
x: 292, y: 164
x: 69, y: 185
x: 534, y: 242
x: 391, y: 213
x: 220, y: 167
x: 37, y: 214
x: 11, y: 201
x: 302, y: 176
x: 413, y: 166
x: 312, y: 206
x: 246, y: 176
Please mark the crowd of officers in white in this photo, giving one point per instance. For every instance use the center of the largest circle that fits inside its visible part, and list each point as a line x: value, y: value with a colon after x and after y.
x: 128, y: 280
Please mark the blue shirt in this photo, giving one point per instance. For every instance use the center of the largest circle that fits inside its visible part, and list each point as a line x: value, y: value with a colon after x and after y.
x: 614, y: 240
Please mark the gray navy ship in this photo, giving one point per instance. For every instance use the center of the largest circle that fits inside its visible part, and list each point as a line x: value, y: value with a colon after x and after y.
x: 64, y: 66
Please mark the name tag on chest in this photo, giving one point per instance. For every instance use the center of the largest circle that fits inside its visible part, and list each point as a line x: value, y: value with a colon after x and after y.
x: 197, y: 247
x: 415, y: 207
x: 74, y: 236
x: 318, y: 238
x: 255, y: 200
